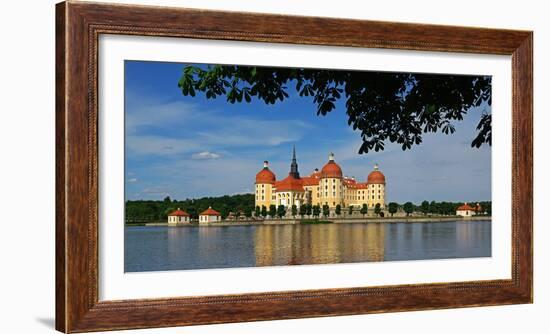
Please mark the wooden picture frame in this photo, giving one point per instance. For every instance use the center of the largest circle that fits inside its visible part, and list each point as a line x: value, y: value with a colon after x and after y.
x: 78, y: 26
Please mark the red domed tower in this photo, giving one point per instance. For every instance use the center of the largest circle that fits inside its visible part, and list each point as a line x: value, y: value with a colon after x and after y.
x: 376, y: 188
x: 331, y: 169
x: 265, y: 175
x: 376, y: 176
x: 265, y: 179
x: 331, y: 189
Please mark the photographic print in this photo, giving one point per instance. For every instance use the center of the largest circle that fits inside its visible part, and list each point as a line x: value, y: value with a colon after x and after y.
x: 232, y: 166
x: 322, y: 166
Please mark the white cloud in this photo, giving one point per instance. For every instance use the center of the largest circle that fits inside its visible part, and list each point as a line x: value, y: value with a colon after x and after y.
x: 156, y: 191
x: 189, y: 178
x: 132, y: 180
x: 243, y: 192
x: 142, y: 112
x: 159, y: 145
x: 205, y: 155
x: 156, y: 127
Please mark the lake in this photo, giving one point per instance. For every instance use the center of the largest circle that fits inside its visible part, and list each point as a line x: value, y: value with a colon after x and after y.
x: 175, y: 248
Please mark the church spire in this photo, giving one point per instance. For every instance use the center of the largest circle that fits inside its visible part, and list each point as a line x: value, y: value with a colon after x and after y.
x: 294, y: 165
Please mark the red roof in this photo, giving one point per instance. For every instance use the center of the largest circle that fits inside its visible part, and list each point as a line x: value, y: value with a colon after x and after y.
x: 311, y: 180
x: 465, y: 207
x: 179, y: 213
x: 210, y: 212
x: 350, y: 183
x: 331, y: 169
x: 376, y: 177
x: 353, y: 184
x: 316, y: 173
x: 289, y: 183
x: 265, y: 176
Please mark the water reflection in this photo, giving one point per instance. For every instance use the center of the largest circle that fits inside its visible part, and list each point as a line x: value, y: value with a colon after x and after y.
x: 166, y: 248
x: 288, y: 245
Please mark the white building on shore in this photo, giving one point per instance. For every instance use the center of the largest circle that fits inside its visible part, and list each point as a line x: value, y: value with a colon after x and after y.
x: 178, y: 217
x: 467, y: 211
x: 209, y: 216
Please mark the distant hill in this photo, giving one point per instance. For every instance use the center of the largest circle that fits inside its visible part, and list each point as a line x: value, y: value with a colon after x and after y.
x: 149, y: 210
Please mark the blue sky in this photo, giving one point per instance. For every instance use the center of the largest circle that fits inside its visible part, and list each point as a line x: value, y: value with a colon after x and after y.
x: 191, y: 147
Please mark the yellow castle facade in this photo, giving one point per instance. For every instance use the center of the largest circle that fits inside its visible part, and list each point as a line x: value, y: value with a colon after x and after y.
x: 327, y: 186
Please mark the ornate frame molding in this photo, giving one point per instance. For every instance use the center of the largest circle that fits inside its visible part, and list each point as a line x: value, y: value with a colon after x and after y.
x: 78, y: 27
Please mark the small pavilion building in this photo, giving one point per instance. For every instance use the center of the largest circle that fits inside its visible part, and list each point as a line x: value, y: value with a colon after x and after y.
x: 209, y: 216
x: 466, y: 210
x: 178, y: 217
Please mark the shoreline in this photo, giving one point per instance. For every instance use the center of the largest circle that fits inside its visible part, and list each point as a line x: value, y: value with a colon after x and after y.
x: 291, y: 221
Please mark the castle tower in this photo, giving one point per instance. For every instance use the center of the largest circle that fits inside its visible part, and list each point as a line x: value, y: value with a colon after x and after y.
x: 265, y: 179
x: 290, y: 191
x: 376, y: 188
x: 331, y: 190
x: 294, y: 165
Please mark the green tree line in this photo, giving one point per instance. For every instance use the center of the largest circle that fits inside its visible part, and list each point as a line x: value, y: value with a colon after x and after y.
x: 436, y: 208
x: 243, y: 205
x: 151, y: 210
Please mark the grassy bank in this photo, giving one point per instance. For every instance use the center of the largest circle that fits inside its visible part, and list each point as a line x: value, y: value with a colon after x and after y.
x: 134, y: 224
x: 315, y: 222
x: 366, y: 220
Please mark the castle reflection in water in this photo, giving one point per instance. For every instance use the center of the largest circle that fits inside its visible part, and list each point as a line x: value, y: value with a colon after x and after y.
x: 281, y: 245
x: 177, y: 248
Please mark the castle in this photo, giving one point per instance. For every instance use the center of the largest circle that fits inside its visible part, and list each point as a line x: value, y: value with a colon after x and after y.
x: 326, y: 187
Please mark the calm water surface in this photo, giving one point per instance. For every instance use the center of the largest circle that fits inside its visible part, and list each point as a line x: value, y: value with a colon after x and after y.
x: 171, y: 248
